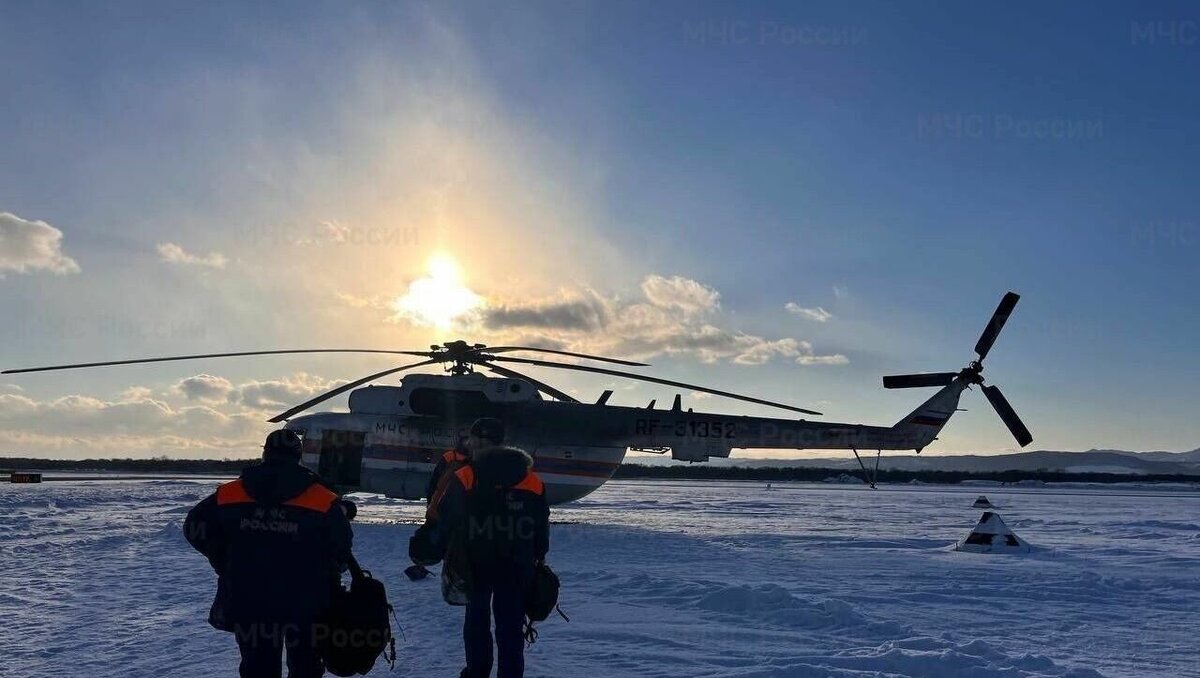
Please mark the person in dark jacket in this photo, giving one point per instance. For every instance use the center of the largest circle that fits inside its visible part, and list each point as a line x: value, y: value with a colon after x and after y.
x: 278, y: 541
x: 501, y: 504
x: 484, y: 432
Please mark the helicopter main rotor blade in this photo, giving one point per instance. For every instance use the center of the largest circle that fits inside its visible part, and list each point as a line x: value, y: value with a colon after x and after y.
x: 618, y: 361
x: 199, y: 356
x: 918, y: 380
x: 343, y: 388
x: 654, y: 380
x: 545, y: 388
x: 1008, y: 415
x: 996, y: 324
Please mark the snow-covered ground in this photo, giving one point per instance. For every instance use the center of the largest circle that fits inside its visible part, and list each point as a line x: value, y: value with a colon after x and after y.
x: 664, y: 579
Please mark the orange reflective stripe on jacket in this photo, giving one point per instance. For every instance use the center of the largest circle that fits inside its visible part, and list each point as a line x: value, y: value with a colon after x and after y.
x: 316, y: 497
x: 531, y: 483
x: 453, y: 455
x: 233, y: 493
x: 466, y: 476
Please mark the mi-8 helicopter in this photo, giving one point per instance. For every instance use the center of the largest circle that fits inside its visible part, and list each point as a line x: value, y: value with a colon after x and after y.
x: 390, y: 440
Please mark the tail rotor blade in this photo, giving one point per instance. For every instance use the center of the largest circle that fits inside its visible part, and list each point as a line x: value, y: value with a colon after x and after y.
x: 343, y: 388
x: 1008, y: 415
x: 919, y: 380
x: 1007, y: 304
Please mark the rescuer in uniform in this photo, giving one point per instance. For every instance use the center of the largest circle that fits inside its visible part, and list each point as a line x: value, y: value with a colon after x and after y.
x: 278, y: 541
x: 500, y: 505
x: 484, y: 432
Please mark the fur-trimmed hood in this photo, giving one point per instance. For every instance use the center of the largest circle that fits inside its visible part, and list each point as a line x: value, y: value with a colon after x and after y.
x: 503, y: 466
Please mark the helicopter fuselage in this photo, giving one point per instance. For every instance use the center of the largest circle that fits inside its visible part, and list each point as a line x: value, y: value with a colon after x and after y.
x: 393, y: 436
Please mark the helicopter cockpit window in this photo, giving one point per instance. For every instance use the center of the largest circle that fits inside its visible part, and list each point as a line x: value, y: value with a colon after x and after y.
x: 450, y: 404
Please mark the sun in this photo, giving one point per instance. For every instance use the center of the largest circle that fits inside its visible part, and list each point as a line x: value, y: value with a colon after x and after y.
x: 440, y: 298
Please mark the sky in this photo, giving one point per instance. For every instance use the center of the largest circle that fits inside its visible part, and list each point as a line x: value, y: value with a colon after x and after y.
x: 788, y: 200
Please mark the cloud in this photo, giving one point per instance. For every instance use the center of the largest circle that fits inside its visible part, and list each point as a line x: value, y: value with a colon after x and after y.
x: 254, y: 394
x: 174, y: 254
x: 674, y: 316
x: 586, y: 312
x: 202, y: 415
x: 136, y: 393
x: 835, y: 359
x: 817, y: 314
x: 681, y: 293
x: 281, y: 393
x: 30, y: 246
x: 205, y: 387
x: 130, y: 425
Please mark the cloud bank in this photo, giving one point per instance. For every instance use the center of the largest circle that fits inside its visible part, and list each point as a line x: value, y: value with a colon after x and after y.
x: 674, y: 316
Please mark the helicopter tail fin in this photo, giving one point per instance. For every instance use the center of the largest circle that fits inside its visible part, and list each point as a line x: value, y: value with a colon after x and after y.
x: 922, y: 425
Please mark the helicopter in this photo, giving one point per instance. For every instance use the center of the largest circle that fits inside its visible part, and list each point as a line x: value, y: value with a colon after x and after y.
x: 390, y: 440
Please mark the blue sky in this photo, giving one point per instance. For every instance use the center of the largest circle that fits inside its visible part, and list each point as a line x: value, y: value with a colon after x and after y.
x: 231, y: 177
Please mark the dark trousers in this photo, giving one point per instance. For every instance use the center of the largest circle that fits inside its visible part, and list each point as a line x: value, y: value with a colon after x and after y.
x: 262, y: 647
x: 503, y: 591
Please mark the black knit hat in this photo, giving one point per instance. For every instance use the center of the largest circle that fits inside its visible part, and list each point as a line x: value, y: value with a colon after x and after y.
x: 282, y: 445
x: 488, y: 429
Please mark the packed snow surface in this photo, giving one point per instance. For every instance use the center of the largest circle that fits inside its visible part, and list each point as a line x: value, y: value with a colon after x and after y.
x: 664, y: 579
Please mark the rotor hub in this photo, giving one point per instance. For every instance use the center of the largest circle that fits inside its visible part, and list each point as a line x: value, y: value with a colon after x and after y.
x: 459, y: 356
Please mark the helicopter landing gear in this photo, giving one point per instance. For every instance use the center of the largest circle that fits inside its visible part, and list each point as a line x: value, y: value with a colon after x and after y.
x: 872, y: 476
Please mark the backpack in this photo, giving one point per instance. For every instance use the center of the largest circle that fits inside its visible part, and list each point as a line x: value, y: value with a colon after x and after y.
x: 540, y: 600
x: 356, y: 628
x: 456, y: 570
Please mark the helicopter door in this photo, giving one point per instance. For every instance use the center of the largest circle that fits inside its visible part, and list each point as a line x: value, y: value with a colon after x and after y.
x: 341, y: 457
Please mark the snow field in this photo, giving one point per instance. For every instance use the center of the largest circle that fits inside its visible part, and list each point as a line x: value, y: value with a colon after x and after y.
x: 664, y: 579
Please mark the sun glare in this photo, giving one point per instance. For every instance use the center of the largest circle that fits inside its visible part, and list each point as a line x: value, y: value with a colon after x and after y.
x: 440, y: 298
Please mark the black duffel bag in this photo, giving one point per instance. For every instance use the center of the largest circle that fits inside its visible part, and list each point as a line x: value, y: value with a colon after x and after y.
x: 356, y: 628
x: 541, y: 599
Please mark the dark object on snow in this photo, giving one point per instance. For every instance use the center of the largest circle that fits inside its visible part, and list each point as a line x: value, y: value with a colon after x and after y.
x: 356, y: 628
x: 417, y: 572
x: 991, y: 535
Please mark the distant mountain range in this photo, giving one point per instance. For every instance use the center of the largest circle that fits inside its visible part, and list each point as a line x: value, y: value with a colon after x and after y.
x: 1091, y: 461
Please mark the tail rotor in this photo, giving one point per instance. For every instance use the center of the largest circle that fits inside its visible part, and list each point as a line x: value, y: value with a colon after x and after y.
x: 973, y: 373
